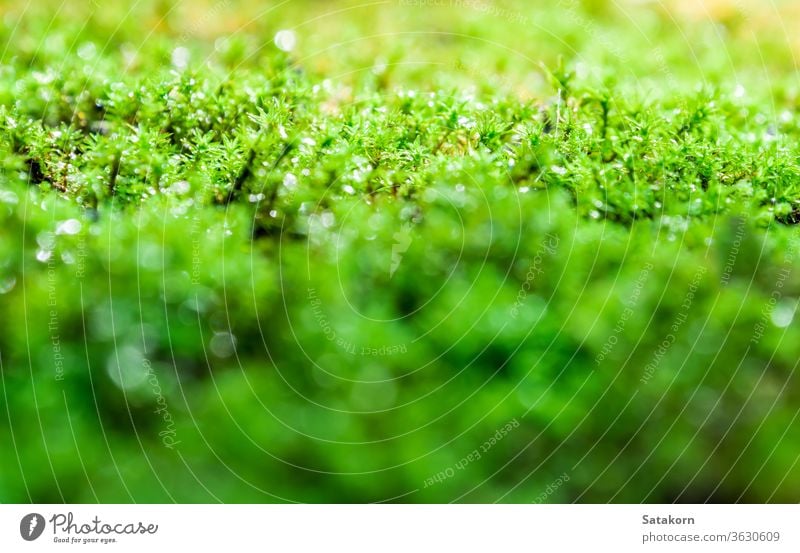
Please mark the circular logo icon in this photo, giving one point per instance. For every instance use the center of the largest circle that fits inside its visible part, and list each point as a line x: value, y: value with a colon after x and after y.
x: 31, y: 526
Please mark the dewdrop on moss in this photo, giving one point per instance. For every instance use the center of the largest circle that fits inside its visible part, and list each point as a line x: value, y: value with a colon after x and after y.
x: 290, y: 181
x: 87, y: 51
x: 7, y: 284
x: 223, y: 344
x: 127, y: 367
x: 70, y: 226
x: 783, y: 314
x: 180, y: 188
x: 180, y: 57
x: 285, y: 40
x: 327, y: 219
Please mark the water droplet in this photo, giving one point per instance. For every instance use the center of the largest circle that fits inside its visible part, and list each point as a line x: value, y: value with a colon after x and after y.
x: 290, y: 181
x: 180, y: 57
x: 87, y: 51
x: 127, y: 367
x: 466, y: 122
x: 8, y: 197
x: 223, y: 344
x: 286, y: 40
x: 70, y: 226
x: 379, y: 68
x: 7, y: 284
x: 783, y: 314
x: 221, y: 44
x: 181, y: 187
x: 46, y: 240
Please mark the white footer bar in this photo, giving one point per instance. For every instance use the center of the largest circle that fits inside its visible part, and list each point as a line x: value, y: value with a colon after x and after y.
x: 399, y: 528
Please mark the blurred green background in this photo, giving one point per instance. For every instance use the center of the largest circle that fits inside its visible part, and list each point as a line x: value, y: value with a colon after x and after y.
x: 480, y: 336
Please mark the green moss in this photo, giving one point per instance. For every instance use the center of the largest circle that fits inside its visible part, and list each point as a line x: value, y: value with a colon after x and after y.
x: 229, y: 272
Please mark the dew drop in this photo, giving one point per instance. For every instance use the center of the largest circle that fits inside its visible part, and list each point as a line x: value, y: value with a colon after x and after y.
x: 290, y: 180
x: 286, y: 40
x: 180, y: 57
x: 7, y: 284
x: 70, y: 226
x: 783, y: 314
